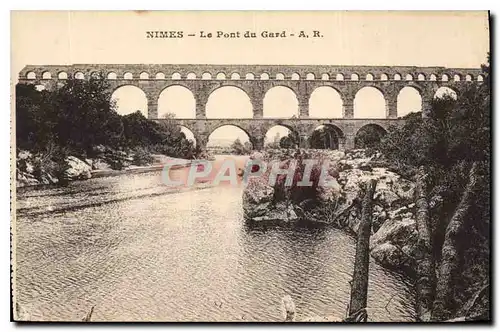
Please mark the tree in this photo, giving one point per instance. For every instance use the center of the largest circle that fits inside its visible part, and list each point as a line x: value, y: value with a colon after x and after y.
x: 324, y: 138
x: 289, y: 141
x: 238, y: 148
x: 368, y: 136
x: 79, y: 116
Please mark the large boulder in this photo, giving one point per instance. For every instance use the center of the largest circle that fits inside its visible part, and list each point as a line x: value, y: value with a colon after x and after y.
x: 281, y: 213
x: 77, y: 169
x: 258, y: 203
x: 392, y: 257
x: 257, y: 198
x: 330, y: 193
x: 394, y: 245
x: 398, y: 231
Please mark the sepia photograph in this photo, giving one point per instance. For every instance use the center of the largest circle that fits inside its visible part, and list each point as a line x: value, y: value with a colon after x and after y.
x: 251, y: 166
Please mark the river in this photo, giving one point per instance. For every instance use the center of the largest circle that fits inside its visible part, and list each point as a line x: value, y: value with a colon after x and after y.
x: 140, y: 251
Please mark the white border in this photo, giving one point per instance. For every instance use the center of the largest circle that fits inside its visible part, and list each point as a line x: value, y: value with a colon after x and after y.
x: 187, y: 5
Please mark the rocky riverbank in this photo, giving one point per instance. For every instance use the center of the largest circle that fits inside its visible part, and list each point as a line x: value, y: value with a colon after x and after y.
x: 37, y: 169
x: 394, y: 234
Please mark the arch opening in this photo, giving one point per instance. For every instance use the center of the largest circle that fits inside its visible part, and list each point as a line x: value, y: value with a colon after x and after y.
x: 325, y: 102
x: 46, y: 75
x: 445, y: 92
x: 409, y: 100
x: 191, y: 76
x: 339, y: 77
x: 280, y: 102
x: 96, y: 75
x: 384, y: 77
x: 160, y: 76
x: 177, y: 101
x: 281, y: 137
x: 129, y: 99
x: 79, y: 75
x: 31, y: 75
x: 128, y: 76
x: 295, y: 77
x: 326, y: 137
x: 144, y: 76
x: 189, y: 135
x: 369, y: 103
x: 229, y: 139
x: 250, y: 76
x: 112, y: 76
x: 40, y: 87
x: 229, y: 102
x: 63, y: 75
x: 369, y: 136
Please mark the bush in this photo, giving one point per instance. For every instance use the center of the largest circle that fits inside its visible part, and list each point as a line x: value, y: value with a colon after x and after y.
x: 239, y: 148
x: 142, y: 157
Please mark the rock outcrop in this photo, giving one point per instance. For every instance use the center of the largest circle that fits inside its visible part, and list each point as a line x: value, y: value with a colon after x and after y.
x: 394, y: 233
x: 35, y: 169
x: 77, y: 169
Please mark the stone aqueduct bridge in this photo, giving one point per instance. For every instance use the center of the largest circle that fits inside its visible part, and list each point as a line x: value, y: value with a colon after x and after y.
x: 256, y: 80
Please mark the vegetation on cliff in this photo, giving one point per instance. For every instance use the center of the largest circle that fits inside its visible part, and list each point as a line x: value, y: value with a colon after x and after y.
x: 452, y: 147
x: 431, y: 216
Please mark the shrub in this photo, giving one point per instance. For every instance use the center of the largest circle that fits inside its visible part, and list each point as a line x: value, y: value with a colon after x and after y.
x: 142, y: 157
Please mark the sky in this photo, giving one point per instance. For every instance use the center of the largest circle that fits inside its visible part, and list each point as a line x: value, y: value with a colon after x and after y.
x: 450, y: 39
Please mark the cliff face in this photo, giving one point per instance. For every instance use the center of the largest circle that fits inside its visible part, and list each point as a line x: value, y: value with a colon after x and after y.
x: 394, y: 233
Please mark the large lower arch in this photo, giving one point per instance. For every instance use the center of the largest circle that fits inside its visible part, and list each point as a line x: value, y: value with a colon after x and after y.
x: 129, y: 99
x: 280, y: 102
x: 229, y: 102
x: 325, y: 102
x: 369, y: 103
x: 445, y: 92
x: 229, y: 139
x: 369, y: 136
x: 178, y: 101
x: 409, y: 100
x: 280, y: 136
x: 327, y: 136
x: 189, y: 135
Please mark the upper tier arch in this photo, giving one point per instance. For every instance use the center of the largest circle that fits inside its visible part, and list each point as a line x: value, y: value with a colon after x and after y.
x: 297, y: 71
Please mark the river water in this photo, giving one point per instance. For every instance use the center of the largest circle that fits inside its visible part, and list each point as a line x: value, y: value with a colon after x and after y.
x: 139, y: 251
